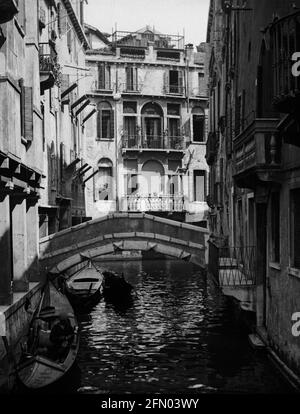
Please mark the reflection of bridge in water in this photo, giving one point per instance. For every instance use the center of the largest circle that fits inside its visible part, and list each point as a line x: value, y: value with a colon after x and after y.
x: 123, y: 232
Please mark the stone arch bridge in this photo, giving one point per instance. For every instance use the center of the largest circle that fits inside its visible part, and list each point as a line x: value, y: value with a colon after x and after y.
x: 116, y: 232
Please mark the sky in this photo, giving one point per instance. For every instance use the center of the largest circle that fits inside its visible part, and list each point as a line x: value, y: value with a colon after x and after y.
x: 167, y: 16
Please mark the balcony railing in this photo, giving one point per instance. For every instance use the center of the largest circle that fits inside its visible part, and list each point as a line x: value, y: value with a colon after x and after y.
x: 48, y: 57
x: 285, y: 41
x: 233, y: 266
x: 174, y: 90
x: 154, y: 142
x: 49, y: 69
x: 102, y: 86
x: 165, y: 203
x: 130, y: 88
x: 257, y: 154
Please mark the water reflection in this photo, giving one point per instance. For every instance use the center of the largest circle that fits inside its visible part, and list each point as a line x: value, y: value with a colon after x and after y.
x: 178, y: 334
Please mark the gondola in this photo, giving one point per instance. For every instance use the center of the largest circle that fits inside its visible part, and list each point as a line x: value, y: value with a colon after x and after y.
x: 115, y: 286
x: 84, y: 289
x: 49, y: 356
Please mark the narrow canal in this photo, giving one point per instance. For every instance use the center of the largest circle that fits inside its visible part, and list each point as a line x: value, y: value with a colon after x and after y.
x: 179, y: 334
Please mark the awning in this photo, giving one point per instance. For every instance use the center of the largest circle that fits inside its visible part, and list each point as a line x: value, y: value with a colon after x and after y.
x: 88, y: 116
x: 69, y: 90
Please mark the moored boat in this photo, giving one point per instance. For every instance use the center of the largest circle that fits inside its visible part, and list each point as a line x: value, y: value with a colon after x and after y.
x: 115, y: 286
x: 84, y: 289
x: 52, y: 342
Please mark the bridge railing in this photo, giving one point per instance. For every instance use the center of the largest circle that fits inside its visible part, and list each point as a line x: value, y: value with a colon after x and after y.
x: 166, y: 203
x: 233, y: 266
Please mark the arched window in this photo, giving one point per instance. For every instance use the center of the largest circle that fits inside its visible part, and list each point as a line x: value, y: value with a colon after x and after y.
x: 198, y: 124
x: 104, y: 180
x: 152, y: 123
x: 153, y: 173
x: 105, y: 121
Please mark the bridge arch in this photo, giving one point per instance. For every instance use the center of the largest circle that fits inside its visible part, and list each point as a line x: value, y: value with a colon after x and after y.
x: 123, y: 231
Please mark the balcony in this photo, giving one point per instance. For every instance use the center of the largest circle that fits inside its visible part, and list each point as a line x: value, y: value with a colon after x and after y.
x: 211, y: 148
x: 8, y: 8
x: 174, y: 90
x: 102, y: 87
x: 285, y: 41
x: 153, y: 143
x: 165, y: 203
x: 257, y: 154
x: 48, y: 66
x: 130, y: 88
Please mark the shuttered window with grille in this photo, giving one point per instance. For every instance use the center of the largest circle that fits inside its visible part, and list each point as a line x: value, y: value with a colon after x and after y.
x: 26, y: 112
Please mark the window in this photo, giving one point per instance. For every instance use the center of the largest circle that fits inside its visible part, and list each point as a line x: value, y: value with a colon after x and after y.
x: 131, y: 178
x: 131, y: 79
x: 175, y: 82
x: 129, y: 107
x: 295, y: 228
x: 199, y: 185
x: 130, y: 133
x: 174, y: 109
x: 104, y: 76
x: 275, y: 227
x: 26, y: 106
x: 152, y: 126
x: 104, y: 180
x: 132, y: 184
x: 105, y: 121
x: 200, y: 83
x: 198, y: 125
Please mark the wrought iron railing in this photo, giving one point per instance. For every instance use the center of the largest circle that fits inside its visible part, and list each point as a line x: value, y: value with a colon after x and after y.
x: 129, y: 87
x: 165, y: 203
x: 174, y: 90
x: 48, y: 57
x: 102, y: 86
x: 153, y: 142
x: 233, y: 266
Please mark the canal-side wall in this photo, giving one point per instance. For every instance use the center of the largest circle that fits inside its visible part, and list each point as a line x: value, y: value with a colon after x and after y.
x: 14, y: 323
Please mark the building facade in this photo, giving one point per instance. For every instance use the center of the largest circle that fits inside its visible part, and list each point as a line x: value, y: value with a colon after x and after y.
x: 21, y: 166
x: 253, y: 154
x: 146, y: 142
x: 62, y: 45
x: 42, y: 99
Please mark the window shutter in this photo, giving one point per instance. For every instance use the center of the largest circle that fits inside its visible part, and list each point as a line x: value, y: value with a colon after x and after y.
x: 112, y: 124
x: 28, y: 113
x: 99, y: 123
x: 128, y: 79
x: 101, y: 76
x: 180, y: 81
x: 107, y: 77
x: 136, y: 79
x: 166, y: 82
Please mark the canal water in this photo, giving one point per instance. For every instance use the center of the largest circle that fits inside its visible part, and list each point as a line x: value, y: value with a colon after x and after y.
x: 177, y: 335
